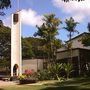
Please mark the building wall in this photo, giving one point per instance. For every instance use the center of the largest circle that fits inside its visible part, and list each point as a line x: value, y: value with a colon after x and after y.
x: 80, y: 60
x: 35, y: 64
x: 80, y: 56
x: 76, y: 43
x: 63, y: 53
x: 66, y: 54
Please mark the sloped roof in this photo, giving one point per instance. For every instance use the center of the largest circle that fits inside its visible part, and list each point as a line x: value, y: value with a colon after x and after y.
x: 82, y: 34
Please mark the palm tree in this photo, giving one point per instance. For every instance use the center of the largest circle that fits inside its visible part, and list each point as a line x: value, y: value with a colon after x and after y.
x: 48, y: 30
x: 68, y: 69
x: 55, y: 69
x: 70, y: 27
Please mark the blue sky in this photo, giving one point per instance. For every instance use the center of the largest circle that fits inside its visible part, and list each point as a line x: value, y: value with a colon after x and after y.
x: 32, y: 12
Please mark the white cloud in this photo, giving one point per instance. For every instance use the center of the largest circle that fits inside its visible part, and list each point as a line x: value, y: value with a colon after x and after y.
x: 78, y: 17
x: 7, y: 21
x: 79, y: 10
x: 30, y: 17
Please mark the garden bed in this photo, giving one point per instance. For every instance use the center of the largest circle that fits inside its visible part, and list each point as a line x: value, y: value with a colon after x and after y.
x: 27, y: 81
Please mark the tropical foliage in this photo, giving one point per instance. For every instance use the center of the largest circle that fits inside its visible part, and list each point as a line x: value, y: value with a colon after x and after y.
x: 5, y: 47
x: 58, y: 71
x: 71, y: 27
x: 47, y: 31
x: 37, y: 47
x: 4, y: 4
x: 44, y: 75
x: 68, y: 69
x: 27, y: 51
x: 55, y: 70
x: 86, y: 38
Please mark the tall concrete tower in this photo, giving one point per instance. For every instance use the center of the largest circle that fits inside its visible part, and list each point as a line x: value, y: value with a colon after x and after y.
x: 16, y: 56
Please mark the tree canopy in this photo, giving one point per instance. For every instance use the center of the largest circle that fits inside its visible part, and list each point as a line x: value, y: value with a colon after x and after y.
x: 5, y: 41
x: 86, y: 38
x: 72, y: 0
x: 71, y: 27
x: 5, y: 46
x: 48, y: 31
x: 27, y: 52
x: 4, y: 4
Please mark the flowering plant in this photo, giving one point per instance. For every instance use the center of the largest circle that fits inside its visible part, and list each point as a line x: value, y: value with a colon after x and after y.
x: 29, y: 76
x: 22, y: 77
x: 28, y: 72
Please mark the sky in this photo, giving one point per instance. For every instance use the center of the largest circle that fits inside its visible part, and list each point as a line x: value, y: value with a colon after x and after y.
x: 32, y: 12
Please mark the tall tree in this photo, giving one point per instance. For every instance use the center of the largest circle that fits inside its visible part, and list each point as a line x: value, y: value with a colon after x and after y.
x: 48, y: 30
x: 32, y: 48
x: 5, y: 41
x: 71, y: 28
x: 5, y: 45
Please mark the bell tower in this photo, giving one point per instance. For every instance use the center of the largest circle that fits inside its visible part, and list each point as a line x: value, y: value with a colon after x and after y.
x: 16, y: 56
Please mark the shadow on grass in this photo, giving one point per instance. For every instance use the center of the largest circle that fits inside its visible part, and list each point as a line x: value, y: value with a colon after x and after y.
x: 61, y: 88
x: 73, y: 84
x: 65, y: 88
x: 77, y: 81
x: 1, y: 89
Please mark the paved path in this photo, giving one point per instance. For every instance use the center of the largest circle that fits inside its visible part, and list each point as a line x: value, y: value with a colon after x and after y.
x: 11, y: 83
x: 7, y: 83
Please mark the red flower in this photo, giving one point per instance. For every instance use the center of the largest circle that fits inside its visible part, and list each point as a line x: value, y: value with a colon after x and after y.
x: 28, y: 72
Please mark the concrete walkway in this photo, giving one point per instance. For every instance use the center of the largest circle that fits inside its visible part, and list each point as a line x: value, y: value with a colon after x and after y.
x: 11, y: 83
x: 6, y: 83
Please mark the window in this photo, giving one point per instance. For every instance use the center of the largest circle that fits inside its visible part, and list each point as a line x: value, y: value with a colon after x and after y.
x: 15, y: 18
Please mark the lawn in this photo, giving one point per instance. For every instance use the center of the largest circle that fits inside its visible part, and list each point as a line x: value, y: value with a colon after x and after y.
x: 72, y: 84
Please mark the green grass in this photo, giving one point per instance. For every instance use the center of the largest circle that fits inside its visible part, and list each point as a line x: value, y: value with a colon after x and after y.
x: 72, y: 84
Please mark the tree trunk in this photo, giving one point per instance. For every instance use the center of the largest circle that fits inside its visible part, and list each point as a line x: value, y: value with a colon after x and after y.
x: 70, y: 48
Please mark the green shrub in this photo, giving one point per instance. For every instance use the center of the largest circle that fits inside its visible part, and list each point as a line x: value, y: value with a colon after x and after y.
x: 44, y: 75
x: 68, y: 69
x: 55, y: 70
x: 51, y: 73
